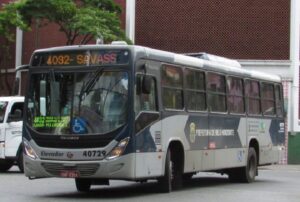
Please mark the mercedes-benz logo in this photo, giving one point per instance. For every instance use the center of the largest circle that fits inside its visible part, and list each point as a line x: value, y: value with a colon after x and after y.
x: 70, y: 155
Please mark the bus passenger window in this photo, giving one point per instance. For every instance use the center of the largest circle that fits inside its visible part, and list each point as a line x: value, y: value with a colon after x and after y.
x: 172, y: 85
x: 279, y: 101
x: 253, y: 97
x: 268, y: 99
x: 216, y: 92
x: 235, y: 98
x: 195, y: 90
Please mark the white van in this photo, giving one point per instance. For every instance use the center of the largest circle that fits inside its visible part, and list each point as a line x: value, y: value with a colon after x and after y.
x: 11, y: 115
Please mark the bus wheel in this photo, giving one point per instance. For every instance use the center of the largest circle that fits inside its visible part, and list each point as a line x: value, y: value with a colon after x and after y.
x: 5, y: 165
x: 251, y: 169
x: 173, y: 174
x: 165, y: 182
x: 245, y: 174
x: 83, y: 185
x: 20, y: 161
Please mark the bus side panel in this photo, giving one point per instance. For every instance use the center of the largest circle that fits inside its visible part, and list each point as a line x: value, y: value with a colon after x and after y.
x: 149, y: 164
x: 219, y: 143
x: 149, y: 157
x: 177, y: 128
x: 173, y: 129
x: 227, y: 136
x: 230, y: 158
x: 193, y: 161
x: 266, y: 131
x: 277, y: 130
x: 197, y: 136
x: 223, y: 132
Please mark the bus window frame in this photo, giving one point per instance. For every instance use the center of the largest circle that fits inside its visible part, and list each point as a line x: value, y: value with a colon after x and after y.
x: 262, y: 99
x: 162, y: 86
x: 243, y: 96
x: 153, y: 77
x: 216, y: 93
x: 203, y: 91
x: 281, y: 98
x: 251, y: 97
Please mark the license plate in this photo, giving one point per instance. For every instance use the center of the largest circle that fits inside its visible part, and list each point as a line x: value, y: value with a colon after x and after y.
x: 69, y: 173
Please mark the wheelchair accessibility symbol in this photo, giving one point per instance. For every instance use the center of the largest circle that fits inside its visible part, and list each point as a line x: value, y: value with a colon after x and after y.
x: 79, y: 126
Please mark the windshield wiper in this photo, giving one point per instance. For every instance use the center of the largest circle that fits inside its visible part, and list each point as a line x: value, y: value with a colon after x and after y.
x: 86, y: 88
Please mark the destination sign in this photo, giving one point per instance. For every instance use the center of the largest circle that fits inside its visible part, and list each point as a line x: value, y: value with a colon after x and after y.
x: 81, y: 58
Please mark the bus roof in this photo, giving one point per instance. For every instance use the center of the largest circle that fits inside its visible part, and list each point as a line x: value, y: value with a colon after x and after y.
x: 175, y: 58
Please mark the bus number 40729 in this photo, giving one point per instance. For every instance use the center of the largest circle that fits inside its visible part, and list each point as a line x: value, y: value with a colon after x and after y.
x: 94, y: 153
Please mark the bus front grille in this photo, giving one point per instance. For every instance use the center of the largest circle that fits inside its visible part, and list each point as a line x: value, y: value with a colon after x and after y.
x: 84, y: 170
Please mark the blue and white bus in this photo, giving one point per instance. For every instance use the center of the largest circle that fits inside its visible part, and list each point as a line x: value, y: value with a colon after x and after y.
x: 102, y: 112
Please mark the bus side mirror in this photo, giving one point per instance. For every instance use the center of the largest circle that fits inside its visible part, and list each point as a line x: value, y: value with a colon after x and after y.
x: 146, y: 84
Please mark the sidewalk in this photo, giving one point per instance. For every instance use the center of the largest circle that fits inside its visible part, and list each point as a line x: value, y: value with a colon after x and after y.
x: 281, y: 167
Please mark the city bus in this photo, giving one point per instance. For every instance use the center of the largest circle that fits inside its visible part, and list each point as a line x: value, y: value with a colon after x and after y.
x: 97, y: 113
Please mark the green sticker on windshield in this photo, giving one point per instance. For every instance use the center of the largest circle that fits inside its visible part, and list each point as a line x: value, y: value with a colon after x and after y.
x: 51, y: 121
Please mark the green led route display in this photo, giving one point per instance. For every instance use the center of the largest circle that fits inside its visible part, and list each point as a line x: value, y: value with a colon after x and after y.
x: 51, y: 121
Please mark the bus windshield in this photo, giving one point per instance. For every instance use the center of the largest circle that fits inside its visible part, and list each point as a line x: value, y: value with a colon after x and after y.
x: 62, y: 103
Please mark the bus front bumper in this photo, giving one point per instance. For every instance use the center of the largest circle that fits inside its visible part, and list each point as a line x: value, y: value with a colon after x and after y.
x: 119, y: 168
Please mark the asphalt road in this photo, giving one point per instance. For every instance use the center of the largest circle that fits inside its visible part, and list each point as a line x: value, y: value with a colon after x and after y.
x: 275, y: 183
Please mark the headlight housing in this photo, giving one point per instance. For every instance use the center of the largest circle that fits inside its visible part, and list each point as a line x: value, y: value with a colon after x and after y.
x: 28, y: 150
x: 118, y: 150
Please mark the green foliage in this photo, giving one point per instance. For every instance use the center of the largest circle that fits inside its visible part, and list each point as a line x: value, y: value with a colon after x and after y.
x: 80, y: 21
x: 108, y: 5
x: 52, y: 10
x: 10, y: 19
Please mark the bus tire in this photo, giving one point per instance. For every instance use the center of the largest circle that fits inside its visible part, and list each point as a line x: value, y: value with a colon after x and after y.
x: 83, y: 185
x: 172, y: 180
x: 251, y: 169
x: 245, y: 174
x: 5, y: 165
x: 165, y: 182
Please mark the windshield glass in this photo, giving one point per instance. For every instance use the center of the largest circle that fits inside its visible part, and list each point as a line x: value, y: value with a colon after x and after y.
x: 63, y: 103
x: 3, y: 106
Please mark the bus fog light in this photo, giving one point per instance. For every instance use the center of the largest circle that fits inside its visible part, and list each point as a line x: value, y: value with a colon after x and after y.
x: 118, y: 150
x: 29, y: 151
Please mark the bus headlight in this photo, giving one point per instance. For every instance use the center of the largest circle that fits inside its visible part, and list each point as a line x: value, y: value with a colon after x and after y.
x: 29, y: 151
x: 118, y: 150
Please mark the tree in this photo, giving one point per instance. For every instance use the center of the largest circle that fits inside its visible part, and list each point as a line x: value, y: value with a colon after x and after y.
x: 80, y: 20
x: 9, y: 20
